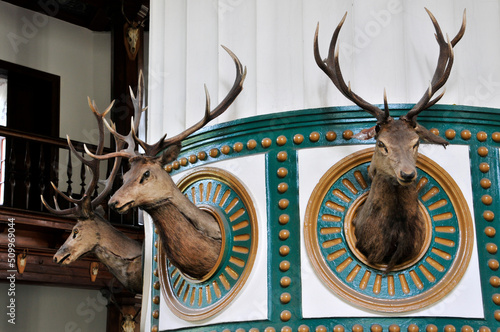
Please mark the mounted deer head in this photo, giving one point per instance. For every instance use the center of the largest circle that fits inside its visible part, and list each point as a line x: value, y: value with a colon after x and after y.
x: 92, y: 233
x: 131, y: 31
x: 389, y: 227
x: 191, y: 237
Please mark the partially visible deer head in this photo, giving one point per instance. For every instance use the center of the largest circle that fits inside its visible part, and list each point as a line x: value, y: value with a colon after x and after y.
x: 93, y: 233
x: 389, y: 226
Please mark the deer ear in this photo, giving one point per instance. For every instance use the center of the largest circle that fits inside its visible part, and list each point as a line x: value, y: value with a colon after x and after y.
x: 368, y: 133
x: 170, y: 154
x: 427, y: 136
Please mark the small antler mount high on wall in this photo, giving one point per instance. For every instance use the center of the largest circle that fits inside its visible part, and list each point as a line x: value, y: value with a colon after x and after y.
x: 389, y: 226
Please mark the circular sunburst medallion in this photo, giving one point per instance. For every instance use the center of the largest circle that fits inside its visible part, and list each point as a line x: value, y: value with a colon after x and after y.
x: 417, y: 283
x: 219, y: 193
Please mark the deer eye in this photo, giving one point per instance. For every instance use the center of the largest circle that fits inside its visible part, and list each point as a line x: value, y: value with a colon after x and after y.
x: 75, y: 233
x: 416, y: 145
x: 145, y: 176
x: 382, y: 146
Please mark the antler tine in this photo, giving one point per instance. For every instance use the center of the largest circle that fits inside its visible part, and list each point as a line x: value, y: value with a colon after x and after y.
x: 93, y: 166
x: 442, y: 71
x: 237, y: 87
x: 331, y: 67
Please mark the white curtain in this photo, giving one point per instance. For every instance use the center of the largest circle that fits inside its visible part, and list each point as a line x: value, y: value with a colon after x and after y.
x: 383, y: 43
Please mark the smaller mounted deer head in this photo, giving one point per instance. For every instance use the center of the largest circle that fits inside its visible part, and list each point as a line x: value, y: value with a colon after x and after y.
x: 92, y: 233
x: 389, y: 227
x: 191, y: 237
x: 131, y: 31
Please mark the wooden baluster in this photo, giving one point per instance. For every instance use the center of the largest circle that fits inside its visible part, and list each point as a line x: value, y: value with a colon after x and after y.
x: 69, y: 173
x: 41, y: 167
x: 82, y: 177
x: 27, y: 181
x: 12, y: 175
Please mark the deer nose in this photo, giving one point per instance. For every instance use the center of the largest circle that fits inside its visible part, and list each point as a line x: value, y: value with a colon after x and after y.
x: 408, y: 176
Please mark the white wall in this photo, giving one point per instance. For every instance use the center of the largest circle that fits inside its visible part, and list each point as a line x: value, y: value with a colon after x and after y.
x: 41, y: 308
x: 384, y: 43
x: 79, y: 56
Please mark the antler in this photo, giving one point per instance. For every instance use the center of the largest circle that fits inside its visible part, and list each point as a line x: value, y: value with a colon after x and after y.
x: 152, y: 150
x: 442, y: 72
x: 331, y: 68
x: 81, y: 205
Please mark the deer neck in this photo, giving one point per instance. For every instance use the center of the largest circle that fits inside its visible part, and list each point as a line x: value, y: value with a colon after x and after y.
x: 121, y: 255
x: 188, y: 247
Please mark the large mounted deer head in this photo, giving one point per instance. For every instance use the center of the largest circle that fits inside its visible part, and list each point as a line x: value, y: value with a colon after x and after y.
x: 192, y: 237
x: 92, y: 233
x: 389, y: 228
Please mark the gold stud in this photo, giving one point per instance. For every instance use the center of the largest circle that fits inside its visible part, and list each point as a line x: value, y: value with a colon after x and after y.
x: 284, y: 219
x: 251, y: 144
x: 466, y: 134
x: 490, y: 231
x: 450, y: 328
x: 347, y: 135
x: 496, y: 136
x: 168, y: 168
x: 193, y: 159
x: 467, y: 328
x: 284, y: 234
x: 282, y: 172
x: 213, y: 153
x: 394, y: 328
x: 435, y: 131
x: 285, y: 298
x: 493, y: 264
x: 486, y: 199
x: 481, y: 136
x: 450, y: 134
x: 331, y: 136
x: 314, y: 136
x: 183, y: 161
x: 376, y: 328
x: 491, y: 248
x: 286, y: 281
x: 297, y: 139
x: 225, y: 149
x: 431, y: 328
x: 496, y: 299
x: 269, y: 329
x: 154, y: 328
x: 482, y: 151
x: 156, y: 285
x: 238, y: 147
x: 284, y: 266
x: 488, y: 215
x: 282, y: 187
x: 485, y: 183
x: 495, y: 281
x: 321, y: 328
x: 496, y: 314
x: 281, y: 140
x: 484, y: 167
x: 303, y: 328
x: 284, y: 250
x: 176, y: 164
x: 283, y: 203
x: 156, y: 299
x: 285, y: 316
x: 338, y: 328
x: 156, y: 314
x: 282, y: 156
x: 266, y: 142
x: 414, y: 327
x: 357, y: 328
x: 202, y: 155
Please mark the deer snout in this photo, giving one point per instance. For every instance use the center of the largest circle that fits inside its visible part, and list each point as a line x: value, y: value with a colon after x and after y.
x: 408, y: 176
